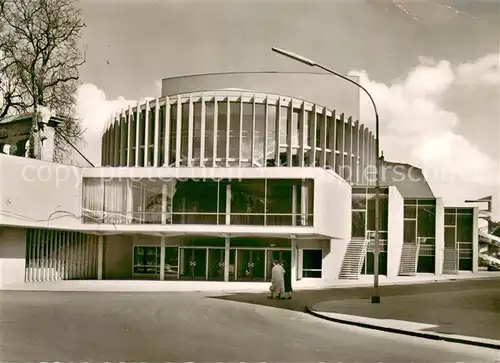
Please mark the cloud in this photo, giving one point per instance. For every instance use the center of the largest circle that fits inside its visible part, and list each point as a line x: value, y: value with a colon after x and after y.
x: 95, y: 111
x: 416, y: 129
x: 484, y: 71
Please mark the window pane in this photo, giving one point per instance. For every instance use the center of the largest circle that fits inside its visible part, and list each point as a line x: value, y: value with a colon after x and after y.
x: 358, y: 224
x: 426, y: 221
x: 247, y: 202
x: 410, y: 211
x: 312, y: 259
x: 464, y: 228
x: 359, y: 201
x: 196, y: 132
x: 410, y: 234
x: 449, y: 219
x: 449, y: 237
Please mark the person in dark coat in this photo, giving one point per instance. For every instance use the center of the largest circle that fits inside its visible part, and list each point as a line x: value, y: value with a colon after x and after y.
x: 288, y: 281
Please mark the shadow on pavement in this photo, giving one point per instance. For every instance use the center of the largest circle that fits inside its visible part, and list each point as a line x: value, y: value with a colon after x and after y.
x: 468, y: 307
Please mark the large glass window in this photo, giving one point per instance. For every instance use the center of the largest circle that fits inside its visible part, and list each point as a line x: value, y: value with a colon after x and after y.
x: 279, y: 202
x: 146, y: 260
x: 358, y: 224
x: 450, y: 238
x: 196, y: 132
x: 426, y: 221
x: 260, y: 129
x: 209, y: 130
x: 464, y: 228
x: 185, y: 133
x: 409, y: 231
x: 312, y: 262
x: 223, y: 124
x: 246, y: 134
x: 234, y: 137
x: 248, y: 202
x: 195, y: 202
x: 384, y: 209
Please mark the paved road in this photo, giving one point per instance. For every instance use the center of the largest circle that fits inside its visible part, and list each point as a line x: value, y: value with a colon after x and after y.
x: 154, y: 327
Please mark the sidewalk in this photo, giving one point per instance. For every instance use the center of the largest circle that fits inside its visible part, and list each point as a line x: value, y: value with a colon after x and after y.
x: 364, y: 281
x: 470, y: 315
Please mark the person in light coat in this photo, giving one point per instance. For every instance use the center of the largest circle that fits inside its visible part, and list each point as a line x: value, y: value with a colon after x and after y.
x: 277, y: 280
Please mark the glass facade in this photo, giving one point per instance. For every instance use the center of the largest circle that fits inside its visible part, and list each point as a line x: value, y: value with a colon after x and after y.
x: 256, y: 202
x: 363, y: 225
x: 459, y: 234
x: 229, y: 129
x: 204, y: 258
x: 420, y: 224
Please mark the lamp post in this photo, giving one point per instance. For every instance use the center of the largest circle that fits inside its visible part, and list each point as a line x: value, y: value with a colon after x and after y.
x: 376, y: 297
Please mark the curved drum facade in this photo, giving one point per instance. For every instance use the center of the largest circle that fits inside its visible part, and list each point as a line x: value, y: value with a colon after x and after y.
x: 227, y: 128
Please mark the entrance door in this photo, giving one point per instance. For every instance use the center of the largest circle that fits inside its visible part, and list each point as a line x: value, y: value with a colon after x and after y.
x: 251, y: 265
x: 281, y: 256
x: 194, y: 263
x: 216, y: 264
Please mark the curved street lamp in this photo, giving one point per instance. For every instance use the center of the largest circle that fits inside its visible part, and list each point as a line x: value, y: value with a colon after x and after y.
x: 376, y: 297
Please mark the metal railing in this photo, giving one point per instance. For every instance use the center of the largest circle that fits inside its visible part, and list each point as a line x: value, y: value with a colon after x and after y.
x: 213, y: 218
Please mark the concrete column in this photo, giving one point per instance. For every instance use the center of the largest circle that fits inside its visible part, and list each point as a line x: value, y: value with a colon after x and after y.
x: 129, y: 155
x: 100, y: 256
x: 475, y: 240
x: 439, y: 248
x: 395, y: 232
x: 162, y: 258
x: 190, y: 132
x: 137, y: 134
x: 323, y: 131
x: 215, y: 131
x: 164, y: 206
x: 156, y: 145
x: 178, y: 133
x: 304, y: 204
x: 312, y: 134
x: 166, y: 134
x: 289, y: 133
x: 228, y: 204
x: 252, y: 141
x: 227, y: 252
x: 355, y: 151
x: 293, y: 267
x: 266, y: 126
x: 228, y: 129
x: 277, y: 136
x: 130, y: 202
x: 147, y: 131
x: 302, y: 134
x: 203, y: 123
x: 240, y: 133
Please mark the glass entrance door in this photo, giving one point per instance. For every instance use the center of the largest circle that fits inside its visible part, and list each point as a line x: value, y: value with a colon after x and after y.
x: 281, y: 256
x: 251, y: 265
x: 194, y: 263
x: 216, y: 258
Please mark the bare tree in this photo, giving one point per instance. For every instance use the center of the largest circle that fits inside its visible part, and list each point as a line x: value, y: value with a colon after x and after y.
x: 40, y: 58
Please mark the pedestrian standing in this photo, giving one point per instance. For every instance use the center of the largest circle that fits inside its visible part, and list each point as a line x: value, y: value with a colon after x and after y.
x: 277, y: 280
x: 288, y: 281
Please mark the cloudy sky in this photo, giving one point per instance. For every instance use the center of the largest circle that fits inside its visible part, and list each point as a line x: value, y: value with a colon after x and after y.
x: 431, y: 65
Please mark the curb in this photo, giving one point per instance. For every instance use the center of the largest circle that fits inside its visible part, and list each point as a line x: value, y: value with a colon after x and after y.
x: 419, y: 334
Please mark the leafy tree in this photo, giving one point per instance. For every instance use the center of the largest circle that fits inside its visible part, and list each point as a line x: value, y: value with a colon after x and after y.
x: 39, y: 64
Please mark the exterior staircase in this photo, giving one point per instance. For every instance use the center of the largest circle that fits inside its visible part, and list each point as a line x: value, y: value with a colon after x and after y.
x: 450, y: 261
x: 353, y: 260
x: 409, y: 259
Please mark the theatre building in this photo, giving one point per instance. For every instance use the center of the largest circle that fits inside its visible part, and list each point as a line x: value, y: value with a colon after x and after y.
x: 219, y: 176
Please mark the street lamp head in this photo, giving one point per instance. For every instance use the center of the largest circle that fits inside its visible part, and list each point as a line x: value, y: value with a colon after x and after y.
x: 294, y: 56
